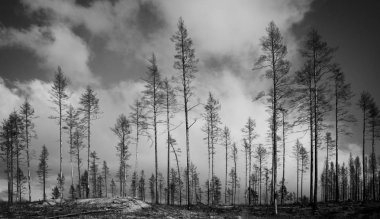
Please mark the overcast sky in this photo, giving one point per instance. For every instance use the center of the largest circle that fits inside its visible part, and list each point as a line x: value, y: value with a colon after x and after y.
x: 105, y: 44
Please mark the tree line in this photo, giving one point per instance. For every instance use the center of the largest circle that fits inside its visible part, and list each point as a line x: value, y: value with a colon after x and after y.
x: 306, y: 99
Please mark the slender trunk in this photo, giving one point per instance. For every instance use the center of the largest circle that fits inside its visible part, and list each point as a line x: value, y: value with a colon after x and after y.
x: 168, y: 129
x: 225, y: 183
x: 249, y: 174
x: 27, y: 153
x: 274, y: 127
x: 302, y: 165
x: 311, y: 141
x: 44, y: 183
x: 364, y: 173
x: 155, y: 135
x: 18, y: 189
x: 315, y: 133
x: 373, y: 160
x: 283, y: 158
x: 336, y: 144
x: 209, y: 164
x: 88, y: 149
x: 297, y: 171
x: 185, y: 98
x: 260, y: 183
x: 78, y: 163
x: 235, y: 179
x: 60, y: 147
x: 246, y: 169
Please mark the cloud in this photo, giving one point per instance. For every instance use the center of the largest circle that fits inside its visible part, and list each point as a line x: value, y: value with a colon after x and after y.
x: 55, y: 46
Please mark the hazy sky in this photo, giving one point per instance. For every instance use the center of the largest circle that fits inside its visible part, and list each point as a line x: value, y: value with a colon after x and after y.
x: 105, y: 44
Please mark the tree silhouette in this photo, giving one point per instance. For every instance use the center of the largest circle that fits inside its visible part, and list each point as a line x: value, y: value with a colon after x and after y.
x: 185, y: 62
x: 274, y: 50
x: 212, y: 118
x: 154, y: 100
x: 364, y: 103
x: 90, y: 108
x: 343, y: 95
x: 319, y: 56
x: 122, y: 130
x: 59, y: 97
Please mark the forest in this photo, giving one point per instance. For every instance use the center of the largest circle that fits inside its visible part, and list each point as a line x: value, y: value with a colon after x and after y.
x: 298, y: 100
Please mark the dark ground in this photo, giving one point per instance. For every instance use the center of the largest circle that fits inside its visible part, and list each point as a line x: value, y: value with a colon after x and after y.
x: 131, y: 208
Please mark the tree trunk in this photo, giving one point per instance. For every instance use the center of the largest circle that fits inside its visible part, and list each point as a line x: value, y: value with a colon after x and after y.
x: 363, y: 161
x: 283, y: 158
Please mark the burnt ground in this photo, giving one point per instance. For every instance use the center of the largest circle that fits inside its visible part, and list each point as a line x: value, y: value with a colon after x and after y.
x: 132, y: 208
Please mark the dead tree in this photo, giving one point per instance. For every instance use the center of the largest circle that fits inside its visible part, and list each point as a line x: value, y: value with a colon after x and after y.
x: 365, y: 103
x: 185, y: 63
x: 122, y: 130
x: 212, y: 118
x: 319, y: 56
x: 90, y: 108
x: 343, y: 95
x: 274, y: 50
x: 59, y: 96
x: 154, y: 101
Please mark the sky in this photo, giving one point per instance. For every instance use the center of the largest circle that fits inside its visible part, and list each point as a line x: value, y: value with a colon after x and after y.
x: 106, y: 44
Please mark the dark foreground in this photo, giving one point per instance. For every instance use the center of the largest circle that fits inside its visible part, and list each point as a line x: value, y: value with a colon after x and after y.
x: 132, y: 208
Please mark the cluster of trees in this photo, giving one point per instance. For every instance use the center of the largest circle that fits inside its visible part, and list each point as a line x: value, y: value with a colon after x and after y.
x: 308, y: 98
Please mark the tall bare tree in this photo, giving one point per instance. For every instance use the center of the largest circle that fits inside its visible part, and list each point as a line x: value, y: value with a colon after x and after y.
x: 343, y: 95
x: 59, y: 97
x: 154, y: 100
x: 365, y: 103
x: 185, y: 63
x: 374, y: 126
x: 212, y: 118
x: 27, y: 116
x: 122, y: 130
x: 303, y: 102
x: 90, y: 108
x: 319, y: 56
x: 275, y: 50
